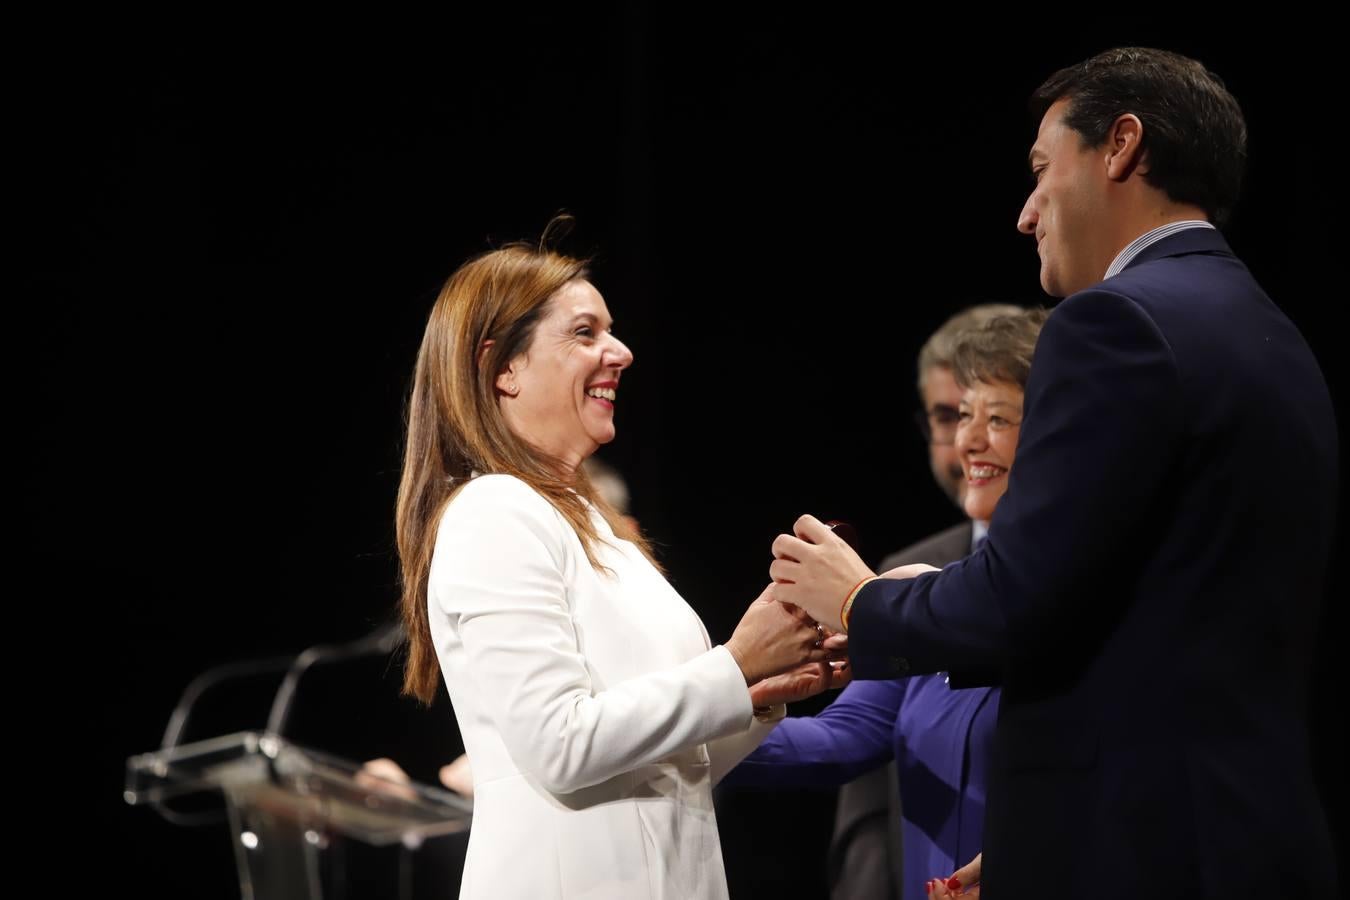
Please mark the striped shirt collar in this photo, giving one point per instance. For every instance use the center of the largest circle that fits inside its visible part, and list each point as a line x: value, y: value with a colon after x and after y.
x: 978, y: 532
x: 1148, y: 238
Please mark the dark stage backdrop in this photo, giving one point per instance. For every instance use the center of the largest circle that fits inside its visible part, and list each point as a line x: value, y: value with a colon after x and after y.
x: 228, y: 246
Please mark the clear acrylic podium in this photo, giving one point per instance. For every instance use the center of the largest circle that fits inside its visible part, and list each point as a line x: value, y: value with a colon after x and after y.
x: 291, y: 808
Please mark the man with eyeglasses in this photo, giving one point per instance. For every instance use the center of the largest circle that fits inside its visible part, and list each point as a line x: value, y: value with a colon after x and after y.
x: 864, y: 856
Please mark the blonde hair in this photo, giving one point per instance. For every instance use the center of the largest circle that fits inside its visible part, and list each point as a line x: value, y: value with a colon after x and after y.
x: 998, y: 349
x: 937, y: 350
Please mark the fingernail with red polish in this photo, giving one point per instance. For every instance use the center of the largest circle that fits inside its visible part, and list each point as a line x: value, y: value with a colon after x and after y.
x: 953, y: 883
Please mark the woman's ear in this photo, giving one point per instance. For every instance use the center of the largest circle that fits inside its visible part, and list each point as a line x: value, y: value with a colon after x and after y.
x: 506, y: 381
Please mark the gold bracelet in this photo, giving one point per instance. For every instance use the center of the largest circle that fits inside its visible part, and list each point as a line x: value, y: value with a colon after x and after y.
x: 847, y: 606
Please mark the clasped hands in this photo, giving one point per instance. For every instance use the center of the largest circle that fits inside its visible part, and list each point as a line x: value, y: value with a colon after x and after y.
x: 792, y: 643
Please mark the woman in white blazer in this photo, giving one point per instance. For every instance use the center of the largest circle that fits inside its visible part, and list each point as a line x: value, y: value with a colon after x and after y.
x: 595, y: 711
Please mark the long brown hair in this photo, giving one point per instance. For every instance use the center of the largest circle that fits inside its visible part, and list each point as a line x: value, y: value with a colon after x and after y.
x: 456, y: 428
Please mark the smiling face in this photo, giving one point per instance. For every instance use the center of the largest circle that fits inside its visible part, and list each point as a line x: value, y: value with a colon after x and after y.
x: 986, y: 439
x: 559, y: 394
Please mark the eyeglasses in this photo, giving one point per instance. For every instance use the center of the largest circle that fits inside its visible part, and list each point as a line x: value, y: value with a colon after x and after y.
x: 938, y: 425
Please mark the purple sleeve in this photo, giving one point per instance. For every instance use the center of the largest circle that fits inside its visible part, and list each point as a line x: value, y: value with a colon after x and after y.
x: 853, y: 735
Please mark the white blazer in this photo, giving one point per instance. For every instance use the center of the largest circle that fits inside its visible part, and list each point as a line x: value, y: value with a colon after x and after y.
x: 596, y: 715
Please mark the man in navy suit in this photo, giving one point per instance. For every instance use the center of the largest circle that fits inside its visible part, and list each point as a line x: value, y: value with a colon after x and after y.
x: 1150, y: 585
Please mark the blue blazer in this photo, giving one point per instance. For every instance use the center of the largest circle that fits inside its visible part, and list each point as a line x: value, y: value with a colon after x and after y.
x: 941, y: 740
x: 1148, y: 592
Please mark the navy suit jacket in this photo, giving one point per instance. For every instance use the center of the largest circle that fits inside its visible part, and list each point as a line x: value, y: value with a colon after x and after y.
x: 1149, y: 592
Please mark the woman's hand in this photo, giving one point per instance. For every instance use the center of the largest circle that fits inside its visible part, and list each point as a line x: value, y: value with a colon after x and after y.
x: 964, y: 882
x: 386, y: 777
x: 805, y: 681
x: 913, y: 570
x: 774, y: 637
x: 457, y: 775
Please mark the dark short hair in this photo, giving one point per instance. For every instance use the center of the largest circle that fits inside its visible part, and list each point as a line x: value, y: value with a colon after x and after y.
x: 1195, y: 137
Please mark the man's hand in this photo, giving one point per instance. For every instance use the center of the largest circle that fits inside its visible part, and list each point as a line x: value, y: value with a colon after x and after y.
x: 814, y: 569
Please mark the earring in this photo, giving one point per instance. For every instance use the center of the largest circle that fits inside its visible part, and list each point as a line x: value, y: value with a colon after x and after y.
x: 513, y: 390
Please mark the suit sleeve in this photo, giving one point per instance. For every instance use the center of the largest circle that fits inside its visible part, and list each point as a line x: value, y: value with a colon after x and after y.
x: 499, y: 574
x: 1102, y: 422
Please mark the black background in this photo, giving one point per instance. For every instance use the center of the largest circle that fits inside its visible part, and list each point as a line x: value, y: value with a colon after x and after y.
x: 228, y: 239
